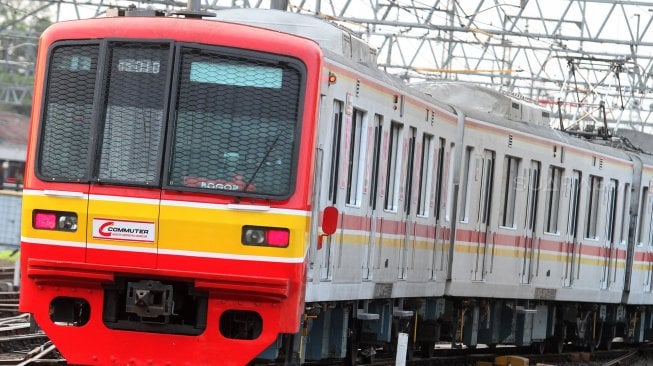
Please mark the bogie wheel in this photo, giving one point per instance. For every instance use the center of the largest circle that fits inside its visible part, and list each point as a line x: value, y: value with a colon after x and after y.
x: 557, y: 343
x: 427, y: 349
x: 594, y: 334
x: 608, y: 337
x: 606, y: 344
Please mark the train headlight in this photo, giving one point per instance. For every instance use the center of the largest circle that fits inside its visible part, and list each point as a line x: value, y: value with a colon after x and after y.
x: 54, y: 220
x: 265, y: 236
x: 67, y: 222
x: 253, y: 236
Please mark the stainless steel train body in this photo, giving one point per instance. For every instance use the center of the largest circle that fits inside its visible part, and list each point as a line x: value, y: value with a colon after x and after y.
x: 463, y: 217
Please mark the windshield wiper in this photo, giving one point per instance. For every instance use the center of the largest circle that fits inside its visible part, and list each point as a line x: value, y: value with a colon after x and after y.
x: 265, y: 157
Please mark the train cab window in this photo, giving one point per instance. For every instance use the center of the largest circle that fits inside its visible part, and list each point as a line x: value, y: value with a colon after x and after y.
x: 236, y: 123
x: 134, y: 113
x: 393, y: 168
x: 425, y: 176
x: 68, y: 112
x: 593, y: 201
x: 464, y: 194
x: 335, y: 151
x: 554, y: 186
x: 509, y: 192
x: 130, y: 101
x: 356, y: 155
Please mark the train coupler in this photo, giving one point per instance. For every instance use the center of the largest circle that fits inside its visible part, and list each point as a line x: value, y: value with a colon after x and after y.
x: 149, y: 299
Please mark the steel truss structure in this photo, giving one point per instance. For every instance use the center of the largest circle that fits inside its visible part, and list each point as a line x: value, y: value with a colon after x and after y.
x: 591, y: 61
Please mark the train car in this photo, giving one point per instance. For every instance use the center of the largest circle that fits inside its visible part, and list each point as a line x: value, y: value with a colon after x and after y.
x: 168, y: 196
x: 214, y: 191
x: 639, y: 289
x: 540, y: 220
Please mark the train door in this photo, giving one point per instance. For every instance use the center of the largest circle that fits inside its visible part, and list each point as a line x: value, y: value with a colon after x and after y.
x: 408, y: 242
x: 609, y: 245
x: 319, y: 196
x: 375, y: 164
x: 438, y: 257
x: 646, y: 236
x: 484, y: 211
x: 572, y: 228
x: 123, y: 212
x: 649, y: 224
x: 533, y: 186
x: 332, y: 163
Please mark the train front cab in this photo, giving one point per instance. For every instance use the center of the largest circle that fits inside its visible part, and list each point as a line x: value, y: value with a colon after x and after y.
x: 165, y: 214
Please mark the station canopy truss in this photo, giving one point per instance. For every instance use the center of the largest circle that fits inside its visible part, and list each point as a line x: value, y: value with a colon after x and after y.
x: 586, y: 60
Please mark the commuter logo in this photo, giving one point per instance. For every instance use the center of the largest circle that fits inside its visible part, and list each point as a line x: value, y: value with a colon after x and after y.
x: 123, y: 230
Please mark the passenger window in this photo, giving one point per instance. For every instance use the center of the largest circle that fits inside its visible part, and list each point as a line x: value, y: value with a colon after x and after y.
x: 376, y: 157
x: 625, y: 222
x: 533, y: 195
x: 574, y: 203
x: 486, y: 188
x: 392, y: 178
x: 509, y: 184
x: 356, y: 155
x: 644, y: 217
x: 554, y: 186
x: 611, y: 211
x: 593, y: 200
x: 409, y: 170
x: 449, y: 173
x: 439, y: 178
x: 335, y: 151
x: 425, y: 174
x: 464, y: 213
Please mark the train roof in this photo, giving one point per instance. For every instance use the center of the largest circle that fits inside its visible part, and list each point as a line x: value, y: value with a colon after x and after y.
x: 512, y: 112
x: 488, y: 103
x: 328, y: 35
x: 339, y: 44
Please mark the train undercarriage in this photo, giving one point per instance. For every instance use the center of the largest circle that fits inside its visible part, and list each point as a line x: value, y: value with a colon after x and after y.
x: 356, y: 332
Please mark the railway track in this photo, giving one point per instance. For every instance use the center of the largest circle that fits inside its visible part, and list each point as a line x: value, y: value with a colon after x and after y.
x: 629, y: 356
x: 21, y: 343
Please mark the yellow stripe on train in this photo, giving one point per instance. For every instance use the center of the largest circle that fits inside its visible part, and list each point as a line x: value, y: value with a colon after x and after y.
x: 178, y: 228
x: 220, y: 230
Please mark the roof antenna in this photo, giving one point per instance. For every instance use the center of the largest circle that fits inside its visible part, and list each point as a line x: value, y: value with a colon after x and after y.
x: 193, y: 10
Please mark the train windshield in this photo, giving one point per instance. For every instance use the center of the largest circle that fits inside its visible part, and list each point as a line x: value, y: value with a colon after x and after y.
x: 233, y: 125
x: 236, y: 123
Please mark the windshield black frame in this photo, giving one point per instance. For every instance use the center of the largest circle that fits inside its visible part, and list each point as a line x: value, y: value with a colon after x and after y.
x: 248, y: 181
x: 164, y: 160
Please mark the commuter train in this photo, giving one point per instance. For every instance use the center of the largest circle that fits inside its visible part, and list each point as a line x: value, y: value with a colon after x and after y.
x: 215, y: 191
